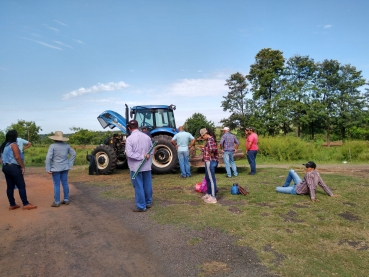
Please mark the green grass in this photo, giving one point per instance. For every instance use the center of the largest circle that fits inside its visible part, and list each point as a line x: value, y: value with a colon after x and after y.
x: 292, y: 235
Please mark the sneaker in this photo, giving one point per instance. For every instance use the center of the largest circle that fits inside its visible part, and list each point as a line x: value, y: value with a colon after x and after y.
x: 211, y: 200
x: 29, y: 206
x: 14, y: 207
x: 148, y: 206
x: 250, y: 173
x: 205, y: 196
x: 138, y: 210
x: 55, y: 205
x: 65, y: 202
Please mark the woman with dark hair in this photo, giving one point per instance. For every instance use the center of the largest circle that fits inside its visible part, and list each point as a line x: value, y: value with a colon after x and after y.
x: 13, y: 168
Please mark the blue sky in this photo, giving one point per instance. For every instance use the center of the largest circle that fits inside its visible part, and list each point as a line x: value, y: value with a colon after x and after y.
x: 62, y: 63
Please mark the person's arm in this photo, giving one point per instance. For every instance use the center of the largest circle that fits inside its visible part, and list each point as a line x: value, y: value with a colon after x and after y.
x: 324, y: 186
x: 28, y: 145
x: 192, y: 143
x: 49, y: 157
x: 221, y: 143
x: 17, y: 156
x: 72, y: 156
x: 237, y: 144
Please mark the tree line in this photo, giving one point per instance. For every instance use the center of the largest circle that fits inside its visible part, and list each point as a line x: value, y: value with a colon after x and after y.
x: 280, y: 96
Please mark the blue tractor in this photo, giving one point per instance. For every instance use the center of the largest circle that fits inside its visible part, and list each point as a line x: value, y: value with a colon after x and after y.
x: 158, y: 119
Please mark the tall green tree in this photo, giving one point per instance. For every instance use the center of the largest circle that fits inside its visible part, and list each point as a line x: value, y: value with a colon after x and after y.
x: 196, y: 122
x: 26, y: 129
x: 265, y: 76
x: 350, y: 101
x: 299, y: 75
x: 328, y: 82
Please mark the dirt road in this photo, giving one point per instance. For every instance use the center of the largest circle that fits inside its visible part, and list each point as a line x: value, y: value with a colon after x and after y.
x: 98, y: 237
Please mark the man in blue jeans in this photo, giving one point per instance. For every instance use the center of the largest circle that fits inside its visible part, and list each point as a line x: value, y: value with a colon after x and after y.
x: 307, y: 185
x: 229, y: 144
x: 181, y: 141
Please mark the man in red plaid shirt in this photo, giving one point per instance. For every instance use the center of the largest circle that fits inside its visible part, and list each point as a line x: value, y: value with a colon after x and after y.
x: 211, y: 158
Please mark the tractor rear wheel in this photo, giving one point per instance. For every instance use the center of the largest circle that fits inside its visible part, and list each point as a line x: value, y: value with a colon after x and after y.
x: 165, y: 158
x: 106, y: 159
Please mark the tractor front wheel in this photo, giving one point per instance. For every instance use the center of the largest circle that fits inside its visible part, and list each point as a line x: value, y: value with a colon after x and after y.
x: 106, y: 159
x: 165, y: 158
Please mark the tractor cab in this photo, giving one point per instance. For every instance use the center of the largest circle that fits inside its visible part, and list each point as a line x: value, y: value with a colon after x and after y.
x: 156, y: 118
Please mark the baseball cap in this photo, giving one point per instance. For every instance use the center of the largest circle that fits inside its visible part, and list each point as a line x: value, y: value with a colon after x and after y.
x: 226, y: 129
x: 133, y: 123
x: 203, y: 131
x: 310, y: 164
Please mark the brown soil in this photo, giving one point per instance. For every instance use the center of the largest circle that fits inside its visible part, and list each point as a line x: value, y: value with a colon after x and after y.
x: 97, y: 237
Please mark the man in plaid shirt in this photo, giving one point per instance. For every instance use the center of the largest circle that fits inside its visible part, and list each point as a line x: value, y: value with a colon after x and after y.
x: 211, y: 158
x: 307, y: 185
x: 229, y: 144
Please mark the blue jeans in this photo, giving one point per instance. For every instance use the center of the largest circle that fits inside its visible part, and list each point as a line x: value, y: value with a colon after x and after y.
x: 13, y: 176
x: 60, y: 176
x: 228, y: 158
x: 184, y: 163
x: 251, y: 157
x: 292, y: 175
x: 211, y: 182
x: 143, y: 188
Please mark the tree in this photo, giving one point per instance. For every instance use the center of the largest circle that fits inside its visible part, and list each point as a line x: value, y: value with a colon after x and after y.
x: 350, y: 102
x: 26, y: 129
x: 196, y: 122
x: 265, y: 76
x: 299, y: 75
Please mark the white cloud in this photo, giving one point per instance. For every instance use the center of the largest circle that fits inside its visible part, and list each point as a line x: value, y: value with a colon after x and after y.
x: 63, y: 44
x: 328, y: 26
x: 95, y: 89
x: 198, y: 87
x: 52, y: 28
x: 44, y: 44
x: 59, y: 22
x: 78, y: 41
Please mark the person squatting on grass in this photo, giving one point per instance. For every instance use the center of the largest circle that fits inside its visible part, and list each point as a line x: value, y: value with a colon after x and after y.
x: 229, y: 144
x: 138, y: 145
x: 13, y: 168
x: 58, y: 165
x: 211, y: 158
x: 181, y: 141
x: 306, y: 186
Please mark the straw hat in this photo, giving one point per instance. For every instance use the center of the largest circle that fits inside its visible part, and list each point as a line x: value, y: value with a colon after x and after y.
x: 58, y: 136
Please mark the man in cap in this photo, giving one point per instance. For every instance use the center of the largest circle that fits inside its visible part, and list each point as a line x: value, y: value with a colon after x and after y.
x: 307, y: 185
x: 251, y: 148
x: 181, y: 141
x: 211, y: 158
x: 229, y: 144
x: 137, y: 146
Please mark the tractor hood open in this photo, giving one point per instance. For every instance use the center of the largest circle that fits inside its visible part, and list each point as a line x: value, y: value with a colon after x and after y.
x: 112, y: 119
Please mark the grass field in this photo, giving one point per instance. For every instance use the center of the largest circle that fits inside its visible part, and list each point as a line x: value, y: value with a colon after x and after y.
x: 292, y: 235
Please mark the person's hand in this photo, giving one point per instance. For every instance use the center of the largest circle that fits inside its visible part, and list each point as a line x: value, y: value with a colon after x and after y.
x: 23, y: 170
x: 314, y: 200
x: 148, y: 157
x: 50, y: 172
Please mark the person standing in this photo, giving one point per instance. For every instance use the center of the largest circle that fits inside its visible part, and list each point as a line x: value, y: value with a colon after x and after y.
x: 138, y: 145
x: 23, y: 145
x: 251, y: 148
x: 229, y: 144
x: 181, y: 141
x: 211, y: 158
x: 59, y: 160
x: 306, y: 186
x: 13, y: 169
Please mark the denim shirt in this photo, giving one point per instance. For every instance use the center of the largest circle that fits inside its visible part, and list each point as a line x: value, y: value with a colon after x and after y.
x: 8, y: 155
x: 57, y: 157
